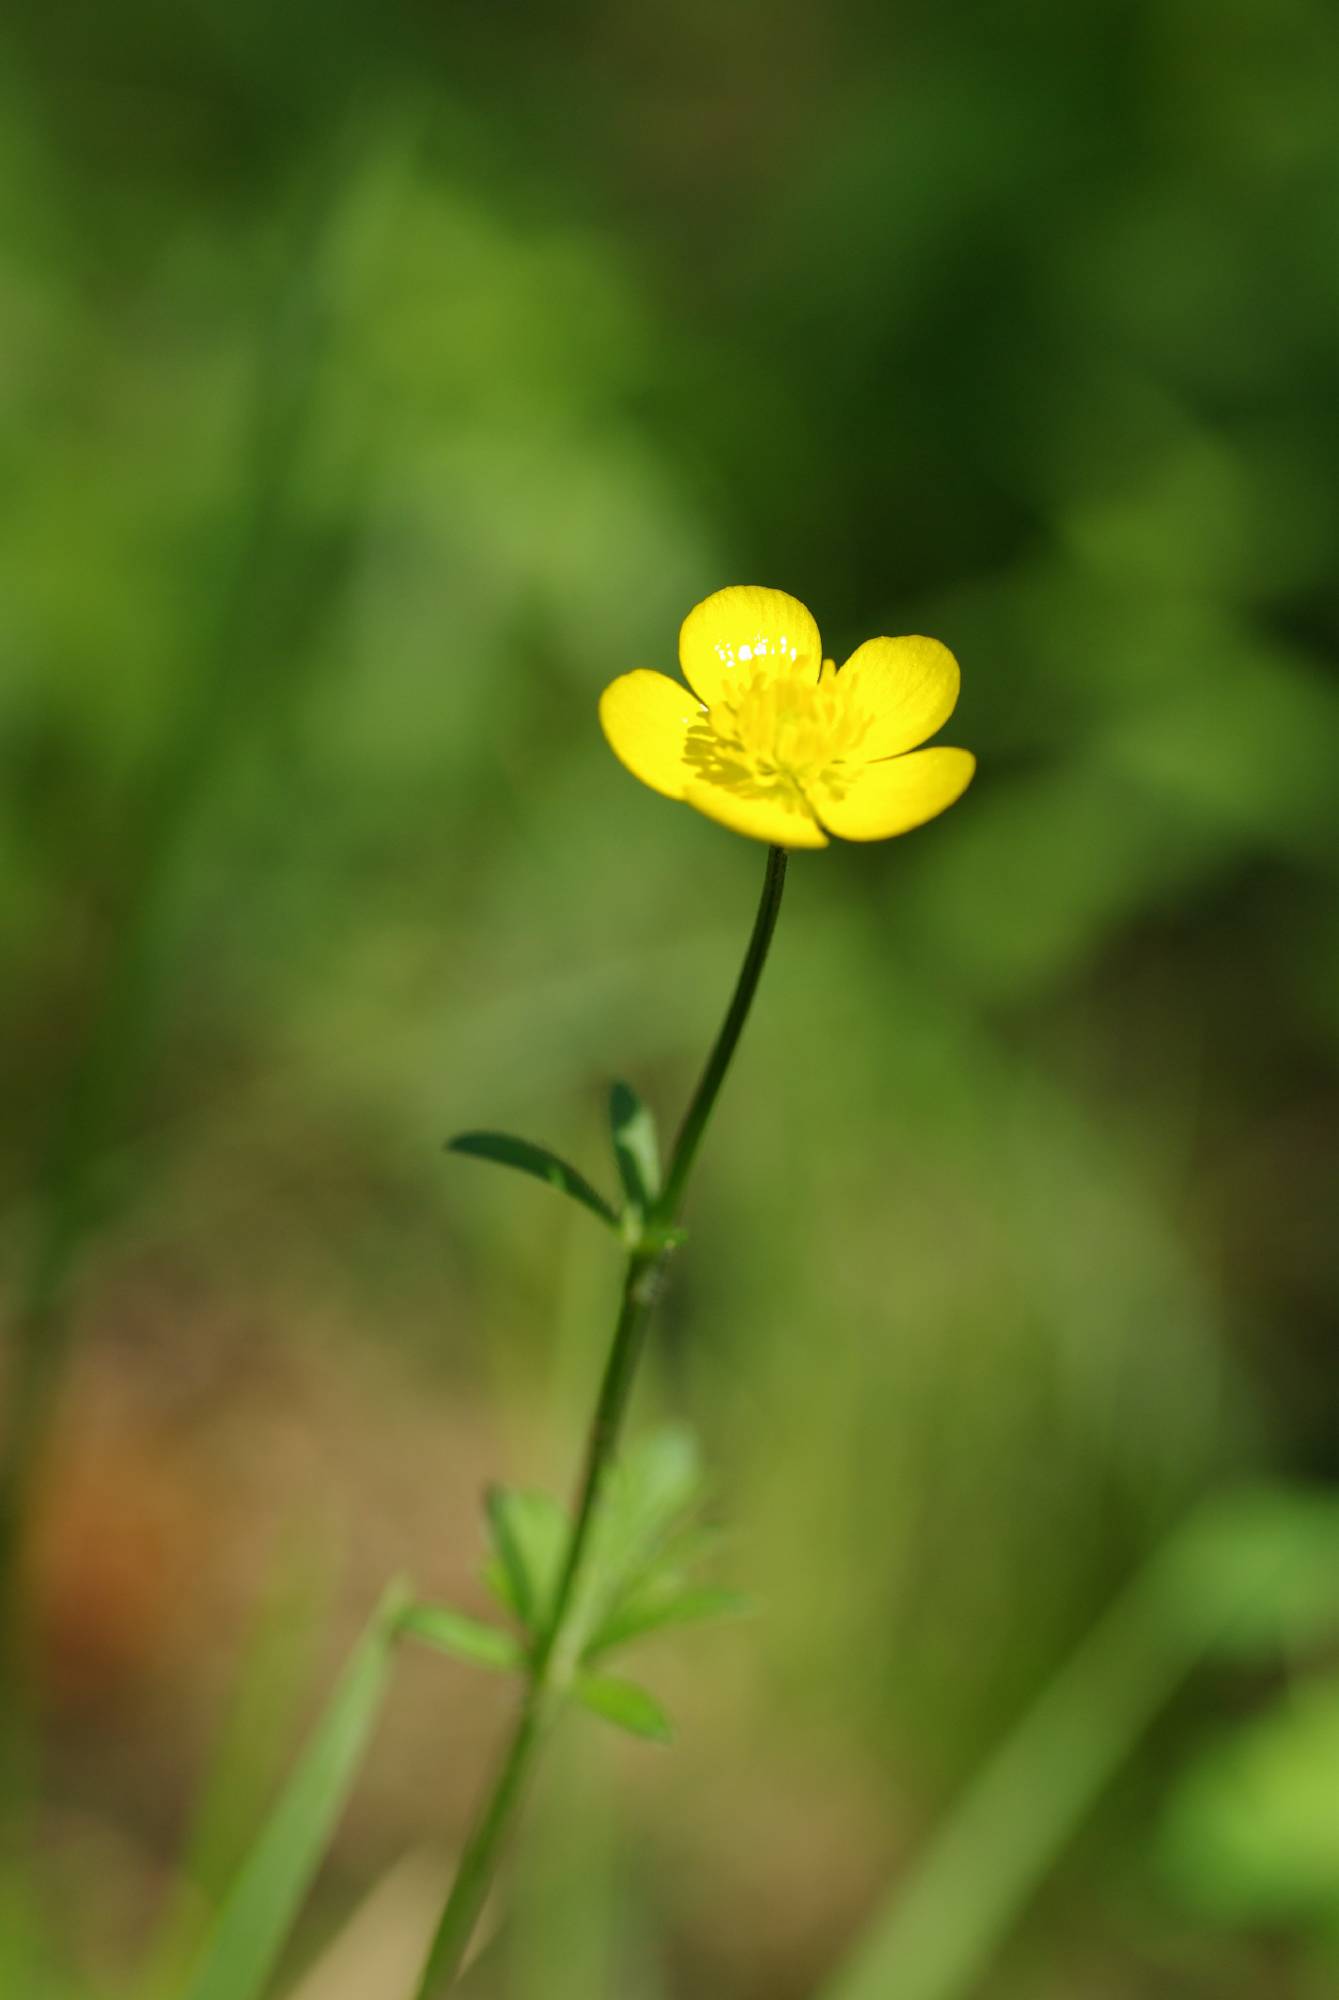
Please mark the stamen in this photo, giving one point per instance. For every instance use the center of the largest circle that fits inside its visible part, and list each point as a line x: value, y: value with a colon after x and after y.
x: 773, y: 735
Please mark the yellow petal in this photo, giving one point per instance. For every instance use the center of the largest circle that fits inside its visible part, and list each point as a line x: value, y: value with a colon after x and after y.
x: 908, y: 686
x: 783, y: 821
x: 646, y: 718
x: 892, y: 797
x: 742, y: 628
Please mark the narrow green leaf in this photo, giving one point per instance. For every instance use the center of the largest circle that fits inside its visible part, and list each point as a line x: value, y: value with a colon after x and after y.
x: 636, y: 1147
x: 647, y: 1500
x: 519, y: 1593
x: 643, y: 1540
x: 649, y: 1494
x: 507, y: 1151
x: 253, y: 1924
x: 624, y: 1703
x: 655, y: 1607
x: 663, y: 1475
x: 450, y: 1631
x: 243, y: 1774
x: 530, y: 1533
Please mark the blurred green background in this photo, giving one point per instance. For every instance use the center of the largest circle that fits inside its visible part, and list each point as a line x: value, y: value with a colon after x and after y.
x: 376, y: 383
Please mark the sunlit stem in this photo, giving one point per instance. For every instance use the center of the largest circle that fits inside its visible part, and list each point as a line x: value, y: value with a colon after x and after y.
x: 718, y: 1062
x: 554, y: 1659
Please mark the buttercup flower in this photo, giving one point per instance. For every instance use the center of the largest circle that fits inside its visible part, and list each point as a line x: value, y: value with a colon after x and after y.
x: 770, y: 739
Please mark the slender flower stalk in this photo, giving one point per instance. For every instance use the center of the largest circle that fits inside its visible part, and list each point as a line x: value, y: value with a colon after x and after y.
x: 769, y: 738
x: 554, y: 1658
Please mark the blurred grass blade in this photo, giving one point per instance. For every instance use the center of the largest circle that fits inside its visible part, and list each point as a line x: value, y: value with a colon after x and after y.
x: 938, y: 1937
x: 253, y: 1924
x: 527, y: 1158
x: 636, y: 1146
x: 450, y: 1631
x: 377, y: 1949
x: 530, y: 1533
x: 244, y: 1769
x: 624, y: 1703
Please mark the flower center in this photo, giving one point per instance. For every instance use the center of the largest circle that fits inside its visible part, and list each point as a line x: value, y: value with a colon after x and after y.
x: 777, y: 734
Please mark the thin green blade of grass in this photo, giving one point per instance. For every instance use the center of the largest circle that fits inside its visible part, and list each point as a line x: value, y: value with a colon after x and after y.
x: 242, y: 1773
x: 937, y: 1937
x: 254, y: 1923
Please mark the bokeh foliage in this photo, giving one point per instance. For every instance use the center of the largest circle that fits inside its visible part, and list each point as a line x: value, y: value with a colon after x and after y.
x: 377, y: 382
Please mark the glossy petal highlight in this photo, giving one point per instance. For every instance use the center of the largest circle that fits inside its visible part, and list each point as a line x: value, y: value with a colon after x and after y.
x: 742, y: 631
x: 646, y: 718
x: 875, y: 801
x: 908, y: 688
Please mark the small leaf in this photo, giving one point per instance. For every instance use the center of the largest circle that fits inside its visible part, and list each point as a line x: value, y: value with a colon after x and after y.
x: 253, y: 1924
x: 653, y: 1608
x: 648, y: 1496
x: 625, y: 1704
x: 530, y: 1534
x: 644, y: 1541
x: 507, y: 1151
x: 636, y: 1147
x: 450, y: 1631
x: 663, y: 1475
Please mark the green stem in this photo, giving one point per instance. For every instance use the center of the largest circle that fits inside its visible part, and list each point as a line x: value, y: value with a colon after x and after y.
x: 553, y: 1661
x: 718, y: 1062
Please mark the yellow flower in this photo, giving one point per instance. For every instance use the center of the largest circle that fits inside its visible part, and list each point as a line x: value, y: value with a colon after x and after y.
x: 768, y: 738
